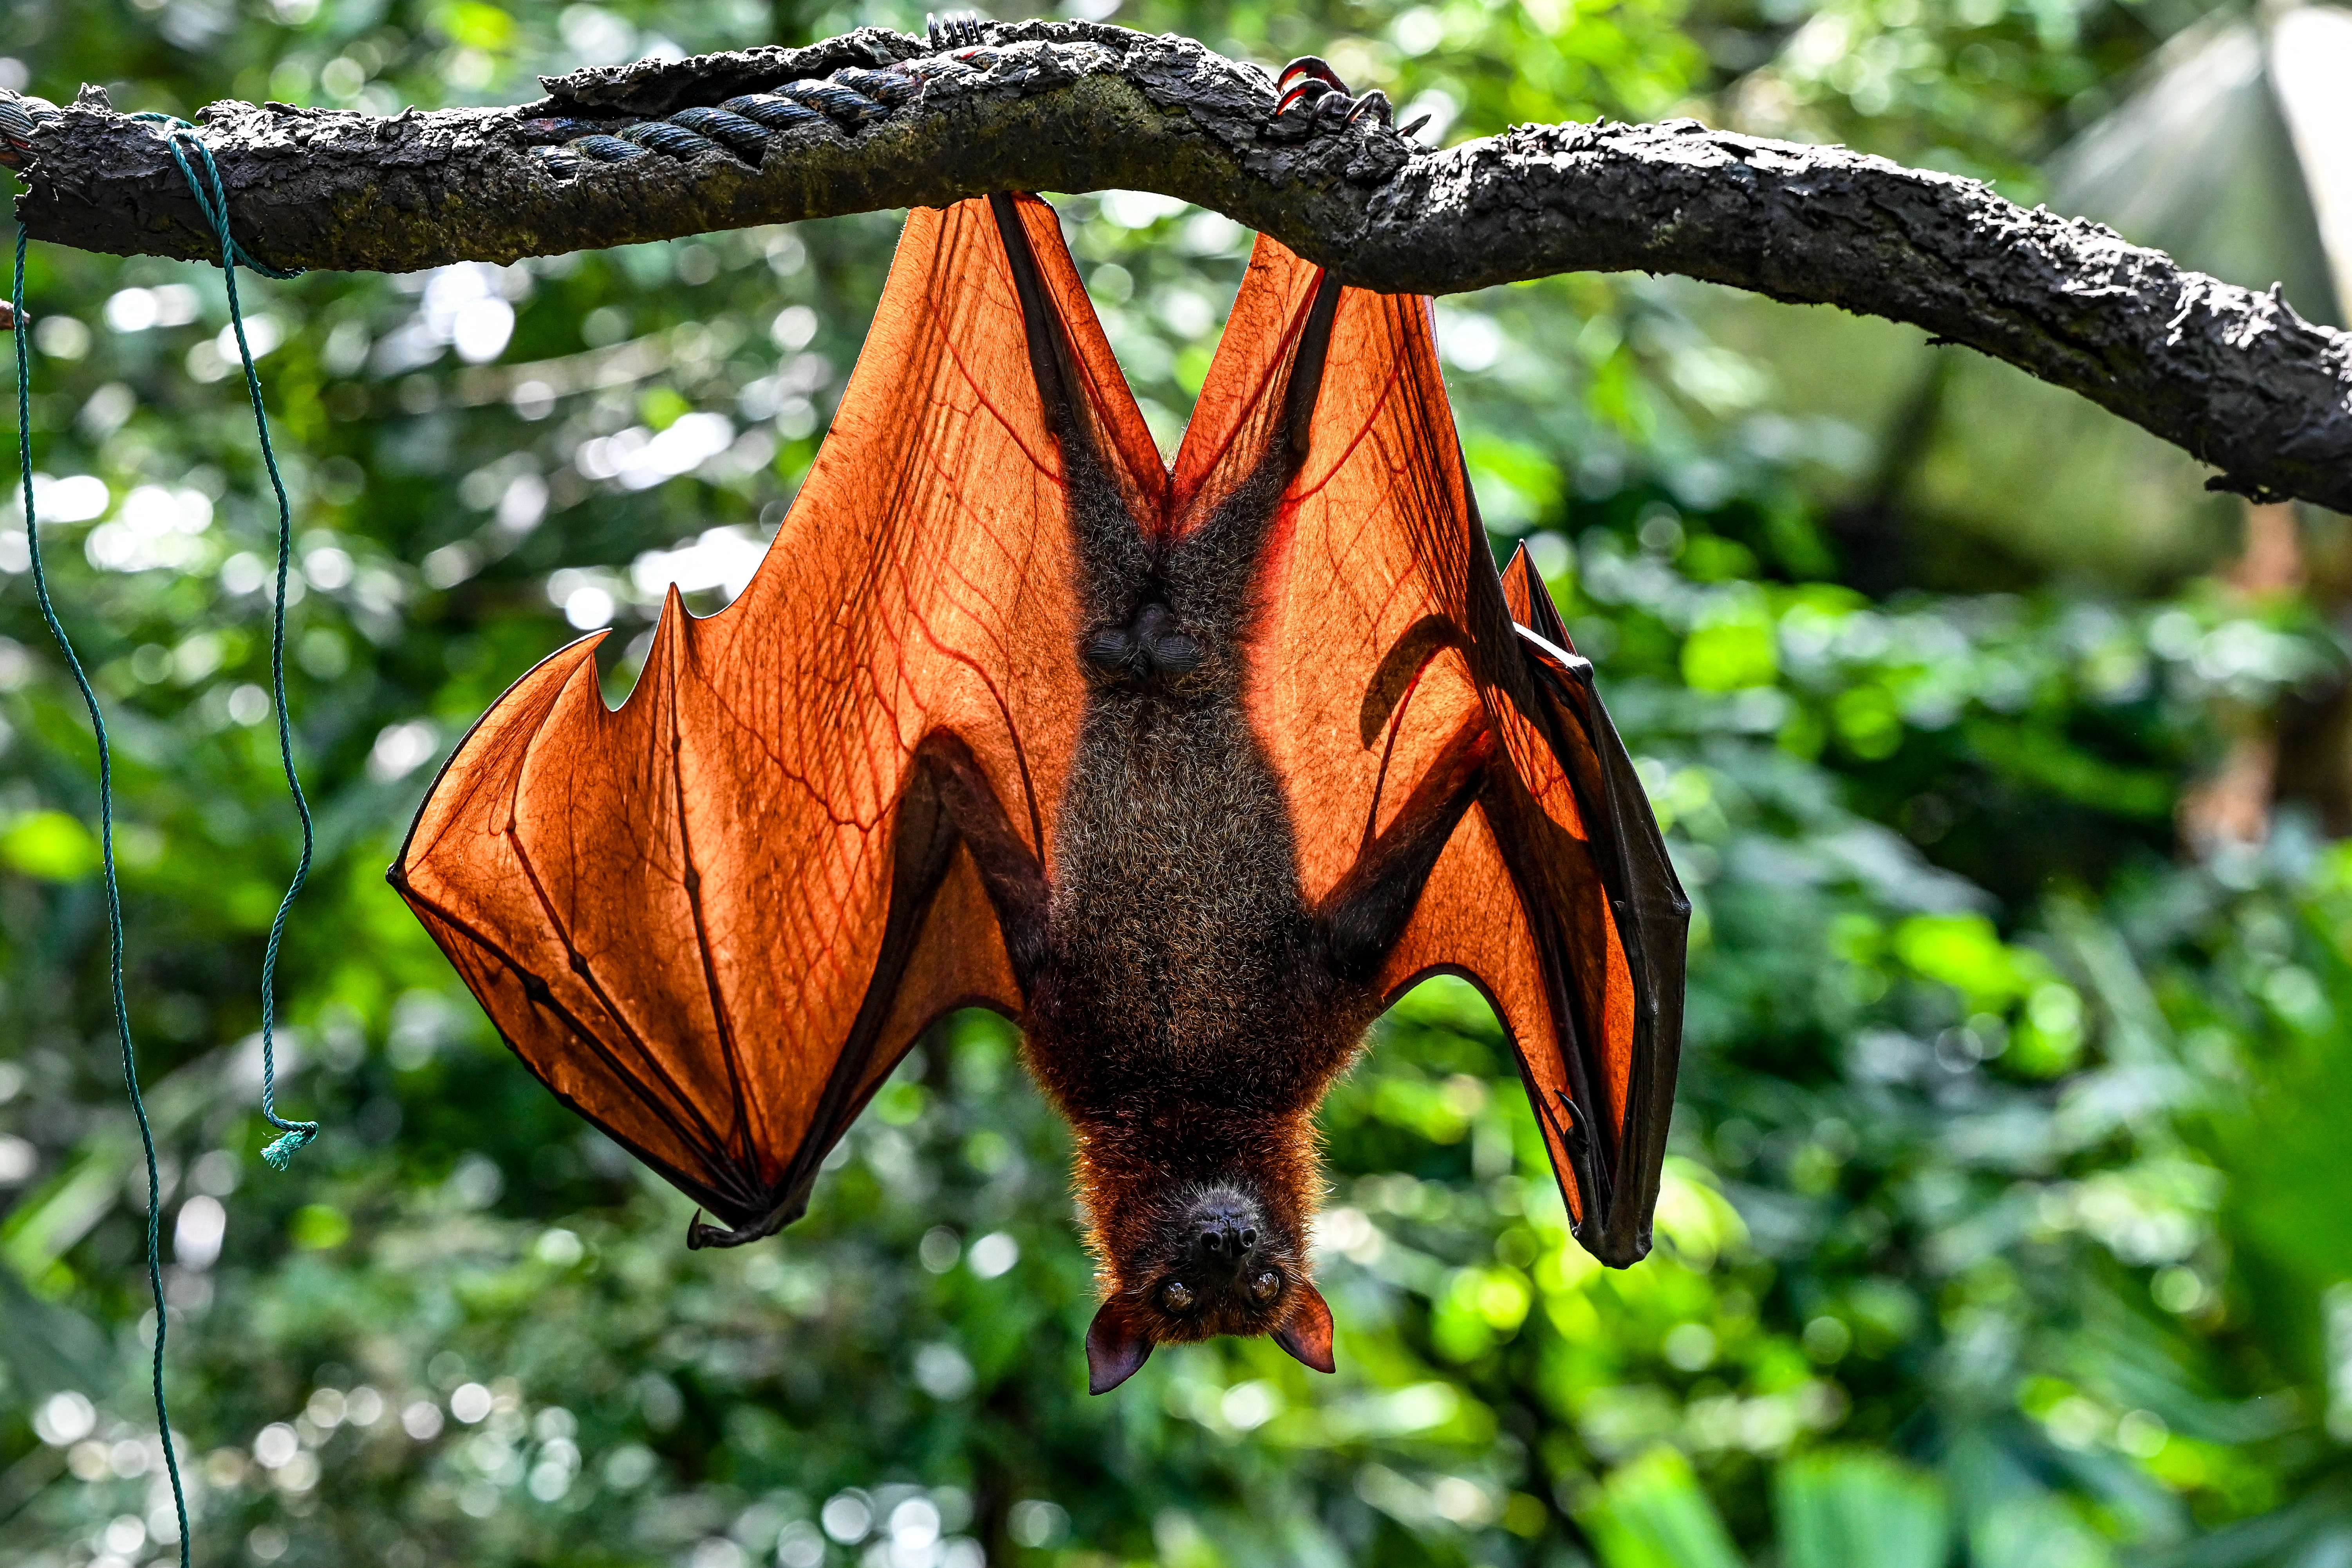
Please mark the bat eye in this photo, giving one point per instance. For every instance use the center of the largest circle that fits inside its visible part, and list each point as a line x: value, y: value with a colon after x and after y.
x: 1266, y: 1286
x: 1177, y: 1296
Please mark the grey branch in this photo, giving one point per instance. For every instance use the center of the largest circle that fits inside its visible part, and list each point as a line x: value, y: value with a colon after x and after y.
x: 2232, y: 376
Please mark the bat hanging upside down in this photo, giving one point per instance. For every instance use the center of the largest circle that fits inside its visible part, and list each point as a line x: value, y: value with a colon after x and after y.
x: 1190, y: 772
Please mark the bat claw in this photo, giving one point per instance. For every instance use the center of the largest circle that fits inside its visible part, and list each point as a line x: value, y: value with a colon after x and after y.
x: 1587, y: 1162
x: 1309, y: 80
x: 1307, y: 92
x: 956, y: 30
x: 1310, y: 66
x: 700, y: 1233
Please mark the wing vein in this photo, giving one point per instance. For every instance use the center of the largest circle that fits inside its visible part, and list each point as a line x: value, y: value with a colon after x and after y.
x: 712, y: 1143
x: 588, y: 1036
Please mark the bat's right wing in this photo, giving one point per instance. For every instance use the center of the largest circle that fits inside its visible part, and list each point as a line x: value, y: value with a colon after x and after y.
x: 1389, y: 659
x: 712, y: 921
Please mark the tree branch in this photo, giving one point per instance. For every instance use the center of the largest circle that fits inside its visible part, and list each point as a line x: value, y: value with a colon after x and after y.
x: 2232, y: 376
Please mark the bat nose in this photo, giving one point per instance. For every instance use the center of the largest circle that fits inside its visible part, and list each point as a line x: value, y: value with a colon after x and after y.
x: 1225, y: 1233
x: 1229, y: 1241
x: 1227, y: 1245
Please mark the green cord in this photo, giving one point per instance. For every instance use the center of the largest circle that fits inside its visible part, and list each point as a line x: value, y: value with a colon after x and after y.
x: 113, y: 888
x: 213, y: 203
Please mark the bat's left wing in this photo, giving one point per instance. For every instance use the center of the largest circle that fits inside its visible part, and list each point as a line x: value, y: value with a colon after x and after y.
x: 1388, y: 651
x: 713, y: 920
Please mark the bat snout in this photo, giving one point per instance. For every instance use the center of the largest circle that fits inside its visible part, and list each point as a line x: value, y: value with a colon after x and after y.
x: 1224, y: 1224
x: 1225, y: 1246
x: 1199, y: 1262
x: 1213, y: 1262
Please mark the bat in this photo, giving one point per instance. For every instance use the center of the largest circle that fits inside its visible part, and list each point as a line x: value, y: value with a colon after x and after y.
x: 1191, y: 770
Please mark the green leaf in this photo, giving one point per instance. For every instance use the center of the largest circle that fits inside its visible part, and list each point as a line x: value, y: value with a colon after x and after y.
x: 319, y: 1227
x: 1966, y: 953
x: 1727, y: 658
x: 1652, y: 1513
x: 1859, y: 1509
x: 49, y: 1346
x: 473, y: 25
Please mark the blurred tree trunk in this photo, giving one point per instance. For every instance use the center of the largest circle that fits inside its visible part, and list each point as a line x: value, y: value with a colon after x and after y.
x: 2300, y: 750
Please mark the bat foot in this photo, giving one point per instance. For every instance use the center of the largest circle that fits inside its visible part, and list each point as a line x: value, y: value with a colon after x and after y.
x: 1310, y: 97
x: 956, y: 30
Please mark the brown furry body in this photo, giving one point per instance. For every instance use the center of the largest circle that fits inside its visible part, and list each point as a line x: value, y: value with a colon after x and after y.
x: 1185, y: 1018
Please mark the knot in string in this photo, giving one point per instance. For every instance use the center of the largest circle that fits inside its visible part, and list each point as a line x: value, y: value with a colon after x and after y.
x: 180, y: 139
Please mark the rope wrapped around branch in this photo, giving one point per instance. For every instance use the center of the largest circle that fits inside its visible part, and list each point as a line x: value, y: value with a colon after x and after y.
x: 743, y: 127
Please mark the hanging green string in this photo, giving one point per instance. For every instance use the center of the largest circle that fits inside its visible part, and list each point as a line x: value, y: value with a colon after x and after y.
x: 181, y: 138
x: 113, y: 888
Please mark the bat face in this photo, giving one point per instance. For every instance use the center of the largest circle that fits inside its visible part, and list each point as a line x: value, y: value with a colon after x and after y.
x: 1199, y: 1218
x: 1197, y: 1263
x: 1192, y: 769
x: 1215, y: 1265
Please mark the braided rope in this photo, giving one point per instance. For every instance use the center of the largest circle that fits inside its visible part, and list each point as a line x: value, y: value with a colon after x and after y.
x: 742, y: 129
x: 19, y: 118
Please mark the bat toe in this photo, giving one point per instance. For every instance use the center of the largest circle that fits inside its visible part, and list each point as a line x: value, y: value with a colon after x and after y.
x: 1310, y: 96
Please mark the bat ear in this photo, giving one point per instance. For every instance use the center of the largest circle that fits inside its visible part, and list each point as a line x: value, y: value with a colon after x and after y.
x: 1308, y: 1335
x: 1114, y: 1348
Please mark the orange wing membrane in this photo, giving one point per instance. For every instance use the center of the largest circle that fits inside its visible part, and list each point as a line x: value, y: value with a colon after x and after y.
x: 1388, y: 646
x: 714, y: 920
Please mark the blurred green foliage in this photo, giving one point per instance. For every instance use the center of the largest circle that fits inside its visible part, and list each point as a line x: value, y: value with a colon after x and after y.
x: 2001, y: 1222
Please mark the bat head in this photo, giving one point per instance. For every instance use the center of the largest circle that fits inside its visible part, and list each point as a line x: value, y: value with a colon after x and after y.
x: 1210, y: 1261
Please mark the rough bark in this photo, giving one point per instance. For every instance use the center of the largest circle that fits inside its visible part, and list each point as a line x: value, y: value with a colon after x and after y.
x: 2232, y: 376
